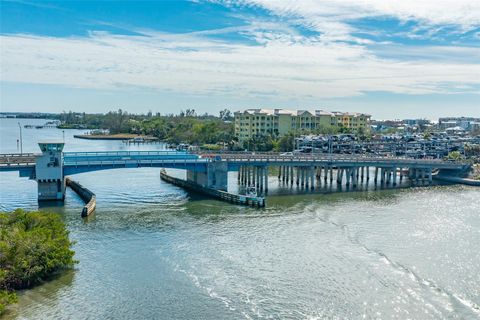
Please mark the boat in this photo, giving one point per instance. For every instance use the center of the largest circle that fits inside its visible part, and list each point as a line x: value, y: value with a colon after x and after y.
x: 182, y: 147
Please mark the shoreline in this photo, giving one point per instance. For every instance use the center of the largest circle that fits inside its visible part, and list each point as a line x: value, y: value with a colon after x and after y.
x: 118, y: 136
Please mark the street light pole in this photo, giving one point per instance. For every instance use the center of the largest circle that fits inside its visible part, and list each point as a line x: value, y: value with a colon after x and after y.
x: 21, y: 140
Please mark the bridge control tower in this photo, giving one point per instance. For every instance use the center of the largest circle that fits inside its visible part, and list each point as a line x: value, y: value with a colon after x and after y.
x: 49, y: 171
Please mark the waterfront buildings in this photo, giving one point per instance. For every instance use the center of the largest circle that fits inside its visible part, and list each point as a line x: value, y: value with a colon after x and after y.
x: 459, y: 123
x: 278, y: 122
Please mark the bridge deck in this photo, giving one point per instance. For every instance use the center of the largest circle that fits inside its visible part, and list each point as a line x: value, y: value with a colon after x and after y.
x: 90, y: 161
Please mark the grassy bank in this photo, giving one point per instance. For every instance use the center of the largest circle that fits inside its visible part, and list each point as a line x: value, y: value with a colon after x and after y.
x: 33, y: 247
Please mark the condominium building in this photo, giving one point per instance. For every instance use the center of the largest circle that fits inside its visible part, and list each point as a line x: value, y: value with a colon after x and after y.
x: 278, y: 122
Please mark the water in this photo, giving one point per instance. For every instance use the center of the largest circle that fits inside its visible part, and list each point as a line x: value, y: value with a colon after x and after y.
x: 153, y: 251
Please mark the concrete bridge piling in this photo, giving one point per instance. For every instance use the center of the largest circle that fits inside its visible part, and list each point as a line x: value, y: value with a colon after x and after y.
x: 316, y: 176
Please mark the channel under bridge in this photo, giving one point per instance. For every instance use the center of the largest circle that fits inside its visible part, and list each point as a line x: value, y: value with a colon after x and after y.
x: 50, y: 167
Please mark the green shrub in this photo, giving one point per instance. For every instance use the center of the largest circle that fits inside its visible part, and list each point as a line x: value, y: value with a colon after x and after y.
x: 33, y: 246
x: 6, y: 298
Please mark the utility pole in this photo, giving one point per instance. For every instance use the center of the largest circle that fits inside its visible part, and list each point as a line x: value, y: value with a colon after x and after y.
x: 21, y: 140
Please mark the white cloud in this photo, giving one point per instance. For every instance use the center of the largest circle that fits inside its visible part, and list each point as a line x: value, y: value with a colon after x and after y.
x: 285, y: 65
x: 330, y: 16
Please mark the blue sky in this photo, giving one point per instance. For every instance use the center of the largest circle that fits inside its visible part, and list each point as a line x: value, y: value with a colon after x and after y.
x: 392, y: 59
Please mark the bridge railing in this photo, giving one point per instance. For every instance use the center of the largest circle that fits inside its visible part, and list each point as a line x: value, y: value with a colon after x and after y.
x: 17, y: 155
x: 144, y: 162
x: 309, y: 158
x: 126, y: 156
x: 122, y: 153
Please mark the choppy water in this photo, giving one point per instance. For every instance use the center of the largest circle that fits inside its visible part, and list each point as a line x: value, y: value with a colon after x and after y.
x: 153, y: 251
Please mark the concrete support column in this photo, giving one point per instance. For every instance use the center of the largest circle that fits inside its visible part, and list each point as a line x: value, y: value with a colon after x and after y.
x: 312, y: 178
x: 265, y: 175
x: 368, y: 173
x: 355, y: 176
x: 254, y: 175
x: 297, y: 178
x: 331, y: 174
x: 394, y: 173
x: 307, y: 176
x: 260, y: 178
x: 376, y: 175
x: 362, y: 173
x: 302, y: 178
x: 430, y: 179
x: 339, y: 175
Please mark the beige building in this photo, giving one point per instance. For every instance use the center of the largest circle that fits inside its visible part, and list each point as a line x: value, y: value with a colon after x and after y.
x: 279, y: 122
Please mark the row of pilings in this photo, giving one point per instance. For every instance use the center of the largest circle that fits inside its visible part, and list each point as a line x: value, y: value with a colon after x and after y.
x: 254, y: 176
x: 317, y: 176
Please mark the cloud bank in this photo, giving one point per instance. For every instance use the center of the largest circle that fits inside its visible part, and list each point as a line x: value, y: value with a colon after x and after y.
x: 279, y: 61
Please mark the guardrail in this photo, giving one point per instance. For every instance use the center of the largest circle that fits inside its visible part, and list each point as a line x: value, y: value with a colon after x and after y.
x: 18, y: 165
x: 135, y: 161
x: 7, y: 155
x: 296, y: 158
x: 122, y: 153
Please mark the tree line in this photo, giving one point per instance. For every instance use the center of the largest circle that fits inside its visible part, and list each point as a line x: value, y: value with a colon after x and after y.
x: 192, y: 128
x: 185, y: 127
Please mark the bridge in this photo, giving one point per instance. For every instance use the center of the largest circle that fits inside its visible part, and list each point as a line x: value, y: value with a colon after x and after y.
x: 50, y: 167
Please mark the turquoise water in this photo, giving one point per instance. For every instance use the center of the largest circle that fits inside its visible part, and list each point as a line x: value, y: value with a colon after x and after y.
x: 153, y: 251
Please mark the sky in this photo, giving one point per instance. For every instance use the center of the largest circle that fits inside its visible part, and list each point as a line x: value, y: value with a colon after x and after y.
x: 391, y: 59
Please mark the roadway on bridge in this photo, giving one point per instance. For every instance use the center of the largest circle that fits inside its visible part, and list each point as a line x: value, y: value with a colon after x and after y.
x: 10, y: 162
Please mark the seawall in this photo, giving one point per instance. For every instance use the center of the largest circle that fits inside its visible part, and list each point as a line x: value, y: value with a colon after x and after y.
x: 86, y: 195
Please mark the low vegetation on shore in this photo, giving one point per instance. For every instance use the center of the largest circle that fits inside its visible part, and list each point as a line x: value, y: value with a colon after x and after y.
x: 33, y: 247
